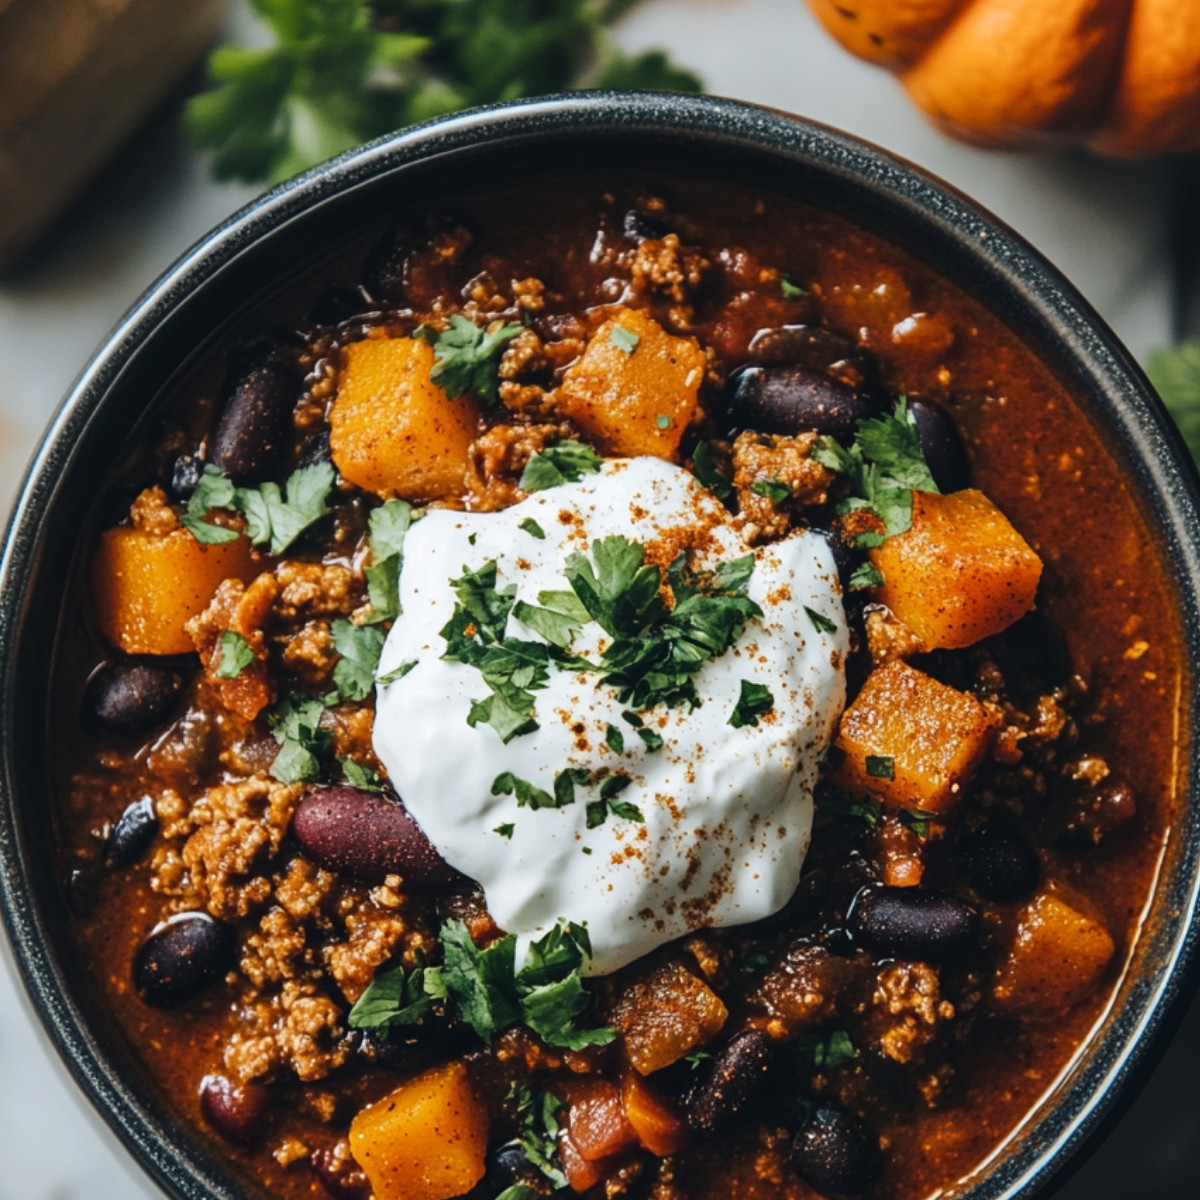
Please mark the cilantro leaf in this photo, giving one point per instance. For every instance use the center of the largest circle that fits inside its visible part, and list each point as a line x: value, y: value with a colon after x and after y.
x: 821, y: 623
x: 835, y: 803
x: 399, y: 673
x: 481, y: 614
x: 616, y: 585
x: 361, y: 776
x: 565, y: 783
x: 360, y: 647
x: 531, y: 527
x: 865, y: 575
x: 296, y: 726
x: 881, y: 766
x: 527, y: 794
x: 505, y: 830
x: 564, y: 462
x: 233, y: 655
x: 480, y: 983
x: 467, y: 357
x: 215, y: 490
x: 1175, y: 372
x: 790, y: 290
x: 704, y: 467
x: 614, y: 739
x: 651, y: 737
x: 389, y: 525
x: 552, y: 994
x: 555, y: 627
x: 827, y: 1051
x: 392, y: 998
x: 626, y: 811
x: 775, y: 490
x: 280, y: 517
x: 754, y: 701
x: 518, y: 1191
x: 537, y: 1118
x: 624, y: 339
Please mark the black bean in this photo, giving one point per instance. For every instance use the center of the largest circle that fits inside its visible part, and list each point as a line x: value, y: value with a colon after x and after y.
x: 185, y: 475
x: 131, y: 836
x: 941, y: 445
x: 789, y: 399
x: 833, y: 1154
x: 999, y: 862
x: 912, y: 922
x: 507, y: 1165
x: 732, y: 1085
x: 401, y: 1050
x: 817, y: 348
x: 181, y: 958
x: 237, y: 1111
x: 129, y: 697
x: 316, y: 450
x: 638, y: 227
x: 367, y: 837
x: 255, y: 419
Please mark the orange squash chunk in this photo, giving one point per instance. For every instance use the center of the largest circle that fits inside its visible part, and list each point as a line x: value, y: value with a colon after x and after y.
x: 581, y: 1172
x: 658, y: 1123
x: 392, y: 430
x: 911, y: 741
x: 149, y: 585
x: 961, y: 573
x: 1057, y: 957
x: 424, y: 1141
x: 596, y: 1120
x: 665, y: 1015
x: 635, y: 389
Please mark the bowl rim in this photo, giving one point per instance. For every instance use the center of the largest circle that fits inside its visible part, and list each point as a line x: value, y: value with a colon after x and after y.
x: 1126, y: 1051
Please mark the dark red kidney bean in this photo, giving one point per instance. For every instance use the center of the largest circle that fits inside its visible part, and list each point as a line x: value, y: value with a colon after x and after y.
x: 942, y: 446
x: 181, y: 958
x: 833, y: 1154
x: 368, y: 837
x: 815, y: 347
x: 130, y: 697
x: 638, y: 227
x: 131, y: 836
x: 999, y: 862
x: 185, y: 476
x: 237, y: 1111
x: 912, y: 922
x: 734, y: 1083
x: 789, y: 399
x: 255, y: 419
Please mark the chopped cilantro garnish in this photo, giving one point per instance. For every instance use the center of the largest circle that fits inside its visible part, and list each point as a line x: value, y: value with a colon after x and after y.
x: 532, y: 528
x: 472, y: 538
x: 610, y: 789
x: 296, y: 726
x: 656, y: 649
x: 919, y: 821
x: 392, y: 998
x: 564, y: 462
x: 697, y: 1058
x: 754, y: 700
x: 704, y: 467
x: 827, y: 1051
x: 821, y: 623
x: 527, y: 794
x: 883, y: 467
x: 614, y: 785
x: 837, y: 804
x: 614, y: 739
x: 586, y: 849
x: 754, y: 963
x: 651, y: 737
x: 360, y: 647
x: 551, y: 622
x: 537, y: 1117
x: 389, y: 525
x: 215, y: 490
x: 467, y: 357
x: 399, y: 673
x: 505, y: 830
x: 881, y: 766
x: 626, y: 811
x: 864, y: 576
x: 565, y: 783
x: 790, y: 290
x: 624, y: 339
x: 280, y: 517
x: 360, y: 776
x: 775, y: 490
x: 233, y: 655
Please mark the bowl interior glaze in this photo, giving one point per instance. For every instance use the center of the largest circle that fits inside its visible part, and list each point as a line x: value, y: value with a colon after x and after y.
x: 295, y: 229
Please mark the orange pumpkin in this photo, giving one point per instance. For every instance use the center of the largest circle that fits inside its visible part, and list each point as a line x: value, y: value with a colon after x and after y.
x: 1123, y: 76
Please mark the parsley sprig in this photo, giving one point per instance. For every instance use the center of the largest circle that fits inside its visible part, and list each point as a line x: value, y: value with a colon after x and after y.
x: 883, y: 466
x: 344, y: 71
x: 485, y: 991
x: 657, y: 649
x: 389, y: 525
x: 467, y: 356
x: 564, y: 462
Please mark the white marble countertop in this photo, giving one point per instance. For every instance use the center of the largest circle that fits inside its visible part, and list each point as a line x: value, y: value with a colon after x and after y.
x: 1103, y: 224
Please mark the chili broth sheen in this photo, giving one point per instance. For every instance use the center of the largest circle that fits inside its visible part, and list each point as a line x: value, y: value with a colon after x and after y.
x: 934, y: 1060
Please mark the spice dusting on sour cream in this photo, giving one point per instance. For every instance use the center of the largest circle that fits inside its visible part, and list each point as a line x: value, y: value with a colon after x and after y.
x: 602, y: 706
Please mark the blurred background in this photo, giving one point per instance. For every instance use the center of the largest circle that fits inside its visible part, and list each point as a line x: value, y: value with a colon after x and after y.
x: 1112, y: 228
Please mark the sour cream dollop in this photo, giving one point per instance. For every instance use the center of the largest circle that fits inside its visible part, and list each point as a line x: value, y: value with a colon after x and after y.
x: 727, y: 811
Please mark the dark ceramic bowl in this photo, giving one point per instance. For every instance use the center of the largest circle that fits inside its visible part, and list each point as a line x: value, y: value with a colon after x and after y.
x: 239, y: 267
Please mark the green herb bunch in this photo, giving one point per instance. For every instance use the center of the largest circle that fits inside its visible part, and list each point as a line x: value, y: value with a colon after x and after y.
x: 344, y: 71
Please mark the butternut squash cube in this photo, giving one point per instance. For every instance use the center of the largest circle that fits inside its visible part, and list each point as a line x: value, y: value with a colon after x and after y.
x: 961, y: 573
x: 1060, y: 950
x: 392, y: 430
x: 665, y: 1015
x: 596, y: 1120
x: 424, y: 1141
x: 635, y: 389
x: 149, y: 585
x: 911, y: 741
x: 657, y: 1120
